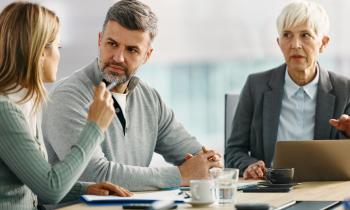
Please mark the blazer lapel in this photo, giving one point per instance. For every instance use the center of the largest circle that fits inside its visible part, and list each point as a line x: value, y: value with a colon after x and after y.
x: 325, y: 103
x: 272, y: 102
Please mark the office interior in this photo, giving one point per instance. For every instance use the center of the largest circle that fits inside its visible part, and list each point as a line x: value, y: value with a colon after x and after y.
x: 204, y: 49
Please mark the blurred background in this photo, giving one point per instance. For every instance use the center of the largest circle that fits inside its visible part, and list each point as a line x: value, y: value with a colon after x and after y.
x: 204, y: 49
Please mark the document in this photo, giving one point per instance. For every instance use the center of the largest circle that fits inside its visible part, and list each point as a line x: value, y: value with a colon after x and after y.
x: 246, y: 184
x: 141, y: 197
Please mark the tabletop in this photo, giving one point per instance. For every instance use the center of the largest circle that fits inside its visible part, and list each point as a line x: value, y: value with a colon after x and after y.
x: 317, y: 191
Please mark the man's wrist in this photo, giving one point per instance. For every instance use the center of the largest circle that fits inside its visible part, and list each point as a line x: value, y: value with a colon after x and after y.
x: 184, y: 180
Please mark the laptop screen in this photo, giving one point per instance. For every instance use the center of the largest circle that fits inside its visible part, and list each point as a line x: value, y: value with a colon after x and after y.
x: 314, y: 160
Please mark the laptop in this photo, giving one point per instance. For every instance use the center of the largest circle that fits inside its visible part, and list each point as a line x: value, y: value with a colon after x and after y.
x: 314, y: 160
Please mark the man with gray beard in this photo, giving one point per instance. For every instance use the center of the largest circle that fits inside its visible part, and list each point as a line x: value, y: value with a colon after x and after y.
x: 143, y: 123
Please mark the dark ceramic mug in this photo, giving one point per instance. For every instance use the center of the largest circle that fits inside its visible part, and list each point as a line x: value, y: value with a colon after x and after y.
x: 280, y: 175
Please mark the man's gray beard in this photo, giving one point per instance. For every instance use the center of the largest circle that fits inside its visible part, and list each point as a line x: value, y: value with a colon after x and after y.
x: 110, y: 77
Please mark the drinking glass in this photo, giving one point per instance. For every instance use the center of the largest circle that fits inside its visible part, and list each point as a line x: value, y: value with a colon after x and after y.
x: 225, y: 182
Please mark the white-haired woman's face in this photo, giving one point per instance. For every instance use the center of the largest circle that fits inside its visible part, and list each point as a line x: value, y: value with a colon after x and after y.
x: 301, y: 47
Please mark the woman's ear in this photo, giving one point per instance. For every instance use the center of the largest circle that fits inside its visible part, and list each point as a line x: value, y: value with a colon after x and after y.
x: 325, y: 41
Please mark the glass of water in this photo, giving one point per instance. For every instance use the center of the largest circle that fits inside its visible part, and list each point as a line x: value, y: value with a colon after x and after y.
x: 225, y: 181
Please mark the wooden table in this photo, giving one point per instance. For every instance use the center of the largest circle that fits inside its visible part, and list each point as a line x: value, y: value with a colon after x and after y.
x: 321, y: 191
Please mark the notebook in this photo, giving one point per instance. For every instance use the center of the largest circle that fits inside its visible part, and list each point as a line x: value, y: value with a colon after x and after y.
x: 314, y: 160
x: 145, y: 197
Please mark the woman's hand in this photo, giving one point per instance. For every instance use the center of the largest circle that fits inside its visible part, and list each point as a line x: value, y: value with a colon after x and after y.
x: 101, y: 110
x: 255, y: 170
x: 107, y: 188
x: 342, y: 124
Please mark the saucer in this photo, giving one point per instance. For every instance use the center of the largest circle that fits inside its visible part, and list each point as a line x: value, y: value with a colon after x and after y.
x: 199, y: 203
x: 268, y: 184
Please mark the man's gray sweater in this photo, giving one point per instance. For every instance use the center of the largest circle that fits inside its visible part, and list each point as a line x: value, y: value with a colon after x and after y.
x: 122, y: 159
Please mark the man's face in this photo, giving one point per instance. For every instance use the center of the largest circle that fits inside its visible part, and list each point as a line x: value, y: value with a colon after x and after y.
x: 301, y: 47
x: 122, y: 51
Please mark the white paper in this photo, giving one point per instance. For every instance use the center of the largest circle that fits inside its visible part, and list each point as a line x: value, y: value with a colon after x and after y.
x: 159, y: 195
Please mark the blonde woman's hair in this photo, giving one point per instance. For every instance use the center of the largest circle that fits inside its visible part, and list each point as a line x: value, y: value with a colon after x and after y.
x: 302, y: 11
x: 25, y: 30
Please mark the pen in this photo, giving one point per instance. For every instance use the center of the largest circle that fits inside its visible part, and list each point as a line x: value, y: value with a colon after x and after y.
x: 112, y: 85
x: 286, y: 205
x: 109, y: 87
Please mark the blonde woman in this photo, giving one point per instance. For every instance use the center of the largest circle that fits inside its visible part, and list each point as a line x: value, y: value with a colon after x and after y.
x: 29, y: 56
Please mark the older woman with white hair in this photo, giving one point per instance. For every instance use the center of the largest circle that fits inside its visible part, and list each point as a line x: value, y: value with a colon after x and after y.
x: 293, y: 101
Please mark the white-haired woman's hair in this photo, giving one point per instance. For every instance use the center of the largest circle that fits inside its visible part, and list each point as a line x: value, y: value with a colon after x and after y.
x: 299, y: 12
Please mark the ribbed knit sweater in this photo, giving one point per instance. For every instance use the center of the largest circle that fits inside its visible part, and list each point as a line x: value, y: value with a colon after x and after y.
x: 26, y: 175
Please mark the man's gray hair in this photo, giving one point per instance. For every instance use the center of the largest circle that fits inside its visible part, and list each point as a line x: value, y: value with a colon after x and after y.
x: 299, y: 12
x: 133, y: 15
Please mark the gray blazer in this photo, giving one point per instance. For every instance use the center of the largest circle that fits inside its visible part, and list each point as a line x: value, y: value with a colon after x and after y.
x: 256, y: 120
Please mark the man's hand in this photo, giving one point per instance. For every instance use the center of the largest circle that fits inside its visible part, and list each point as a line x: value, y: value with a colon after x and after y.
x: 342, y: 124
x: 255, y: 170
x: 215, y: 157
x: 107, y: 188
x: 197, y: 166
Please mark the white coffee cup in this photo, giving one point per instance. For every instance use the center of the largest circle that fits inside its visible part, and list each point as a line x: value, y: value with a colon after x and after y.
x: 202, y: 190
